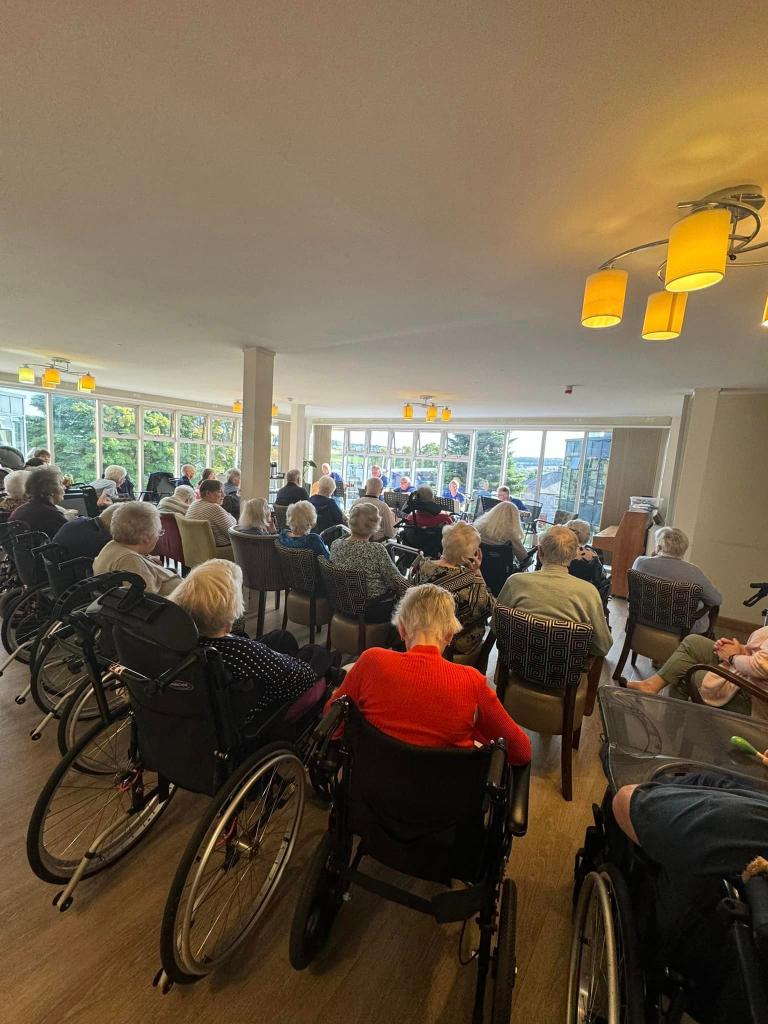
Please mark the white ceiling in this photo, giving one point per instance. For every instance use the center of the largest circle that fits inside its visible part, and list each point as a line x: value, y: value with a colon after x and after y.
x: 395, y: 197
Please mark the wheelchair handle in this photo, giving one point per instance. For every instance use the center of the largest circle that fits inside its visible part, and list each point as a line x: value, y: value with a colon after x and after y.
x: 762, y: 591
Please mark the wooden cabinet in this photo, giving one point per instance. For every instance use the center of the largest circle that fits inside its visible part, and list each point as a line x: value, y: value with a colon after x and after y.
x: 624, y: 543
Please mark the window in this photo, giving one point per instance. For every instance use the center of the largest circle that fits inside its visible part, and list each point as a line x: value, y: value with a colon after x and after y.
x: 379, y: 442
x: 117, y: 451
x: 488, y: 458
x: 559, y: 474
x: 159, y: 422
x: 222, y: 430
x: 194, y: 454
x: 457, y: 444
x: 597, y: 452
x: 426, y: 473
x: 222, y: 458
x: 355, y: 471
x: 522, y: 466
x: 429, y: 442
x: 74, y: 432
x: 274, y: 444
x: 403, y: 442
x: 454, y: 471
x: 23, y: 420
x: 118, y: 419
x: 192, y: 428
x: 159, y: 457
x: 337, y: 442
x: 357, y: 440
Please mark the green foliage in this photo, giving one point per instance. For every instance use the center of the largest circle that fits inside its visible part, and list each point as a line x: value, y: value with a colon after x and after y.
x: 222, y: 430
x: 192, y: 427
x: 158, y: 457
x: 222, y: 458
x: 194, y: 454
x: 74, y: 429
x: 120, y: 451
x: 36, y: 426
x: 118, y: 419
x: 457, y: 444
x: 488, y: 457
x: 160, y: 422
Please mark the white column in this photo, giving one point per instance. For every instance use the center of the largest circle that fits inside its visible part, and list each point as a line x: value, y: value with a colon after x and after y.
x: 298, y: 442
x: 693, y: 483
x: 258, y: 368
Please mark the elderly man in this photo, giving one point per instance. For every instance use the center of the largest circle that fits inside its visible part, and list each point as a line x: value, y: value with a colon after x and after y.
x: 502, y: 493
x: 376, y: 472
x: 405, y: 486
x: 667, y: 563
x: 373, y: 488
x: 292, y: 490
x: 188, y: 474
x: 554, y: 594
x: 208, y: 508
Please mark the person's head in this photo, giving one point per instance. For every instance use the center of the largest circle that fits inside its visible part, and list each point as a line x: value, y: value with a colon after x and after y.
x: 558, y: 546
x: 16, y: 482
x: 255, y: 512
x: 301, y: 517
x: 208, y: 473
x: 453, y: 488
x: 185, y: 494
x: 374, y: 486
x: 460, y: 543
x: 326, y: 486
x: 33, y: 463
x: 364, y: 519
x: 582, y: 529
x: 405, y: 483
x: 44, y: 483
x: 502, y: 493
x: 136, y: 524
x: 41, y: 453
x: 211, y: 490
x: 426, y: 614
x: 500, y: 524
x: 293, y: 476
x: 189, y: 471
x: 105, y: 517
x: 325, y: 469
x: 212, y: 595
x: 425, y: 493
x: 671, y: 541
x: 233, y: 477
x: 376, y: 471
x: 116, y: 474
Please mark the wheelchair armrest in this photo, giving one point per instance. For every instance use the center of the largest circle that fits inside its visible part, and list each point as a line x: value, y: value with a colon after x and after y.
x: 331, y: 721
x: 733, y: 677
x: 518, y: 806
x: 495, y: 778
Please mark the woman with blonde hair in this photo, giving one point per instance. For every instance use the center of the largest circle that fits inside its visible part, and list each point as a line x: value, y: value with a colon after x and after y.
x: 501, y: 525
x: 383, y: 579
x: 256, y: 518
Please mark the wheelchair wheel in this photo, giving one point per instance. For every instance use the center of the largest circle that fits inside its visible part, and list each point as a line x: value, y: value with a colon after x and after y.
x: 321, y: 896
x: 233, y: 864
x: 57, y: 670
x: 97, y: 791
x: 504, y: 958
x: 23, y: 618
x: 81, y: 709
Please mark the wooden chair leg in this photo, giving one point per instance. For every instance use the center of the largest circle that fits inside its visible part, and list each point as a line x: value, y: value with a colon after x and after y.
x: 312, y: 615
x: 566, y: 749
x: 502, y: 680
x: 261, y: 612
x: 593, y: 681
x: 328, y: 638
x: 277, y: 600
x: 623, y: 657
x: 285, y: 613
x: 577, y: 738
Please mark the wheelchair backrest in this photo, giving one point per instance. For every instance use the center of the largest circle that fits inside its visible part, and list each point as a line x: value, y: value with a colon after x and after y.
x: 497, y: 566
x: 8, y: 533
x: 83, y: 499
x: 62, y: 571
x: 664, y: 603
x: 550, y: 653
x: 427, y: 539
x: 28, y: 559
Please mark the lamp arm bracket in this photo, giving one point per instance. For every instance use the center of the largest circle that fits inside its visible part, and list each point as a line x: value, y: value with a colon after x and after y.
x: 628, y: 252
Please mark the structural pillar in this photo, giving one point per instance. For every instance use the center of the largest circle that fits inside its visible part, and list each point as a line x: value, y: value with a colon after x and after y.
x: 693, y: 484
x: 258, y: 369
x: 298, y: 442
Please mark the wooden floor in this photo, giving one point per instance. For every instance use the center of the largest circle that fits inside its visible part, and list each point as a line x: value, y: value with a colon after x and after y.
x: 95, y: 963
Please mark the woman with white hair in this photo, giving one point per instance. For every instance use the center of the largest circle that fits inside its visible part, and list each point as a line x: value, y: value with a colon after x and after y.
x: 135, y: 527
x: 178, y: 502
x: 44, y: 489
x: 328, y: 512
x: 15, y: 494
x: 458, y: 570
x: 107, y: 486
x: 272, y: 670
x: 256, y: 518
x: 587, y: 564
x: 667, y: 562
x: 383, y: 579
x: 420, y: 698
x: 301, y: 517
x: 501, y: 525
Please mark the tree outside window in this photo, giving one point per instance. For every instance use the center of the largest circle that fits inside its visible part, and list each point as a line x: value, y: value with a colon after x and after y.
x: 222, y: 430
x: 222, y: 458
x: 194, y: 454
x: 74, y: 431
x: 159, y: 457
x: 158, y: 421
x: 118, y: 419
x: 192, y: 428
x: 489, y: 454
x: 121, y: 451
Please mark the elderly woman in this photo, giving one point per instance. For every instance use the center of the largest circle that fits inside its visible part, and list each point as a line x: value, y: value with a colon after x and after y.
x: 256, y: 518
x: 232, y: 481
x: 107, y: 487
x: 501, y: 525
x: 44, y: 489
x: 263, y: 672
x: 458, y: 570
x: 179, y: 501
x: 328, y: 512
x: 667, y: 562
x: 15, y: 493
x: 301, y: 517
x: 135, y: 528
x: 587, y: 565
x: 419, y: 697
x: 384, y: 580
x: 422, y: 510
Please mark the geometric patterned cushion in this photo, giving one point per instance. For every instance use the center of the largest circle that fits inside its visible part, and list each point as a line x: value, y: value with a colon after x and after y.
x: 664, y: 603
x: 550, y: 653
x: 347, y: 589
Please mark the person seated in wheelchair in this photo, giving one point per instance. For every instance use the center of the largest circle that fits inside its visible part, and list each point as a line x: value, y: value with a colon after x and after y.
x: 427, y: 512
x: 501, y: 525
x: 265, y: 672
x: 419, y: 697
x: 136, y: 527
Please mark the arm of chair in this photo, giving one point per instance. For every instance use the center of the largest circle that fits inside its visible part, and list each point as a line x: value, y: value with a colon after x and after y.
x: 733, y: 677
x: 518, y: 805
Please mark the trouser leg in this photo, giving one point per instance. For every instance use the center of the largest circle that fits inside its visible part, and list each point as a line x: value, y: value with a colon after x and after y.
x: 694, y: 650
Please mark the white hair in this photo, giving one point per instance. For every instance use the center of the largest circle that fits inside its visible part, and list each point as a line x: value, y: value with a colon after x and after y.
x: 301, y: 517
x: 16, y: 482
x: 212, y: 595
x: 106, y: 514
x: 326, y: 485
x: 185, y: 493
x: 427, y: 609
x: 672, y: 541
x: 135, y: 522
x: 293, y: 476
x: 233, y: 474
x: 581, y: 528
x: 500, y: 524
x: 364, y: 519
x: 460, y: 542
x: 374, y: 486
x: 255, y: 512
x: 558, y: 546
x: 115, y: 473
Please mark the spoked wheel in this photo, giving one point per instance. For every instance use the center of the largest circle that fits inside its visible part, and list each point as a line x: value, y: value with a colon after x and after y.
x: 58, y: 669
x: 233, y: 864
x: 321, y: 896
x: 78, y: 714
x: 504, y: 958
x: 23, y: 619
x: 97, y: 792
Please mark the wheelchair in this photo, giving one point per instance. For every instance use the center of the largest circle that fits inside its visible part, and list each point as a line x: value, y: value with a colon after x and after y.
x: 177, y: 730
x: 635, y: 958
x: 433, y: 814
x: 28, y: 607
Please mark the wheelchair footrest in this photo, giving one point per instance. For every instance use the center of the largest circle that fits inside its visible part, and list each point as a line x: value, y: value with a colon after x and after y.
x: 446, y: 906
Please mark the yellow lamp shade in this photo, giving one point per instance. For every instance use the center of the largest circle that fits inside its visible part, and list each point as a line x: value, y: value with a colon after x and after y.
x: 86, y: 382
x: 431, y: 413
x: 664, y: 313
x: 445, y: 415
x: 765, y: 315
x: 697, y: 251
x: 51, y: 377
x: 275, y: 410
x: 26, y: 374
x: 237, y: 406
x: 604, y: 295
x: 407, y: 411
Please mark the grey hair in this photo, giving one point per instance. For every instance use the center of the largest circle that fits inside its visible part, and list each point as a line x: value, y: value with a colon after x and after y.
x: 425, y: 493
x: 581, y: 528
x: 427, y: 609
x: 293, y: 476
x: 232, y: 473
x: 16, y: 482
x: 364, y: 519
x: 558, y: 546
x: 212, y: 595
x: 326, y: 485
x: 672, y: 541
x: 115, y: 473
x: 374, y: 485
x: 185, y: 493
x: 105, y: 516
x: 301, y: 517
x: 500, y: 524
x: 44, y: 483
x: 460, y: 542
x: 135, y: 522
x: 255, y: 512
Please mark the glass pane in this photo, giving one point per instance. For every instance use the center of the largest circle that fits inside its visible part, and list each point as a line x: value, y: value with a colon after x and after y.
x: 158, y: 458
x: 379, y: 441
x: 454, y: 471
x: 357, y: 440
x: 562, y: 454
x: 337, y: 465
x: 488, y: 458
x: 74, y: 431
x: 222, y: 430
x: 596, y: 455
x: 23, y: 422
x: 429, y: 442
x: 354, y: 475
x: 222, y: 458
x: 521, y: 470
x: 274, y: 449
x: 426, y: 473
x: 118, y: 419
x: 400, y: 467
x: 457, y: 444
x: 403, y: 442
x: 192, y: 427
x: 158, y: 421
x: 194, y: 454
x: 337, y: 441
x: 120, y: 451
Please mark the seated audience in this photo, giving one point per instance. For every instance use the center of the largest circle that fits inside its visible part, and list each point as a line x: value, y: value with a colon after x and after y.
x: 454, y: 492
x: 107, y: 486
x: 749, y: 660
x: 188, y: 473
x: 44, y: 489
x: 667, y: 563
x: 179, y: 501
x: 554, y: 594
x: 232, y: 482
x: 501, y: 525
x: 502, y: 493
x: 376, y: 474
x: 262, y: 673
x: 328, y: 512
x: 383, y: 579
x: 135, y: 527
x: 256, y: 518
x: 458, y: 570
x: 587, y: 565
x: 427, y: 512
x: 420, y: 698
x: 292, y: 490
x: 208, y: 509
x: 373, y: 489
x: 301, y: 517
x: 405, y: 486
x: 84, y: 537
x: 41, y: 453
x: 15, y: 494
x: 207, y: 474
x: 125, y: 489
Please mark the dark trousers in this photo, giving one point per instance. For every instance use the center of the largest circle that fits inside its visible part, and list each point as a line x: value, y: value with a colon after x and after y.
x: 318, y: 657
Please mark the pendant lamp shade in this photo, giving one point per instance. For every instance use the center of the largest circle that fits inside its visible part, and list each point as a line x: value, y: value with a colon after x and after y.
x: 407, y: 411
x: 51, y: 377
x: 26, y: 374
x: 275, y: 409
x: 664, y: 314
x: 86, y: 382
x: 764, y: 322
x: 446, y: 414
x: 697, y: 251
x: 237, y: 406
x: 431, y: 414
x: 604, y: 295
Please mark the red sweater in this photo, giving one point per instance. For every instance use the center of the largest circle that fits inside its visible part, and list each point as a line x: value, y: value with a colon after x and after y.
x: 422, y: 699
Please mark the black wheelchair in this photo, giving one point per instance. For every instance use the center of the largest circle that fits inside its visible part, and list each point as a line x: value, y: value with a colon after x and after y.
x: 28, y: 606
x: 636, y: 958
x: 178, y: 730
x: 433, y: 814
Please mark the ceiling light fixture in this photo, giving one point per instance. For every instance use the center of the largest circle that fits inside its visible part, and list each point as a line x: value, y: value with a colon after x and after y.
x: 765, y: 315
x: 431, y: 411
x: 275, y: 410
x: 407, y: 411
x: 700, y: 246
x: 50, y: 378
x: 237, y: 405
x: 51, y: 375
x: 86, y: 382
x: 446, y: 414
x: 26, y: 374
